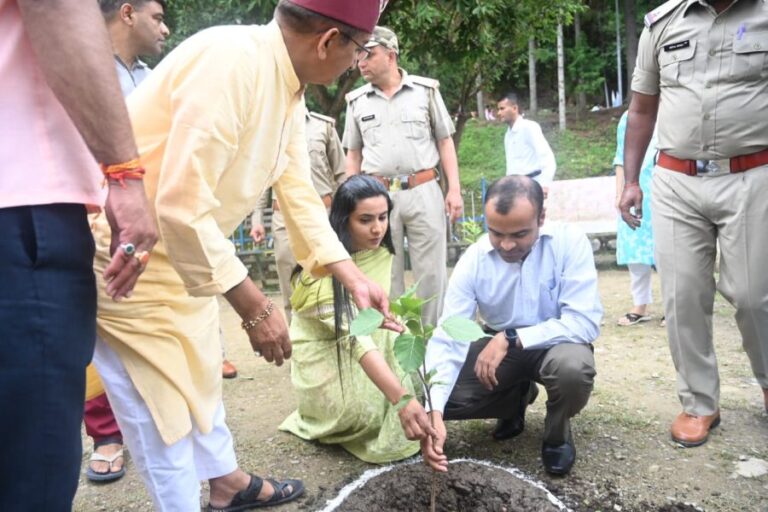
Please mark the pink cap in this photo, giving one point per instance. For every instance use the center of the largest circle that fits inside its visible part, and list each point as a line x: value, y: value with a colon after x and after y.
x: 361, y: 14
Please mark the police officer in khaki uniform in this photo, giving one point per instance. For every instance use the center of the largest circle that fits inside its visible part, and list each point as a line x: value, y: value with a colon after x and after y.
x: 398, y: 129
x: 702, y: 67
x: 327, y: 162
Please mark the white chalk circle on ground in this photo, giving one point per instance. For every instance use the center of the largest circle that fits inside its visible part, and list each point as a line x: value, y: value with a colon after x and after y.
x: 348, y: 490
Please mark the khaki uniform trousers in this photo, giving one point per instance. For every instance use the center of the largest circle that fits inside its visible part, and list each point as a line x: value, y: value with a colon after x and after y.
x: 284, y: 259
x: 567, y: 372
x: 690, y: 216
x: 419, y: 214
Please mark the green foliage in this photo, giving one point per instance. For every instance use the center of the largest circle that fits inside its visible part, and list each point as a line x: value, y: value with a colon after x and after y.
x: 367, y: 321
x: 481, y: 153
x: 585, y: 69
x: 471, y: 231
x: 462, y: 329
x: 411, y: 346
x: 587, y: 149
x: 186, y: 17
x: 410, y: 351
x: 469, y: 45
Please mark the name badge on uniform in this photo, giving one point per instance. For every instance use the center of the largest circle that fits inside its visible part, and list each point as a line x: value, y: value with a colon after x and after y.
x: 677, y: 46
x: 369, y: 118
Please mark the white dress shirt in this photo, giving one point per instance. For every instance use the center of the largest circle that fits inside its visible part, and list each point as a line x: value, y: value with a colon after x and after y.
x: 551, y: 297
x: 527, y: 150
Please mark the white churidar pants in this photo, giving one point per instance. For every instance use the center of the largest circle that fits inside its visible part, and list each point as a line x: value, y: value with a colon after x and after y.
x: 172, y: 474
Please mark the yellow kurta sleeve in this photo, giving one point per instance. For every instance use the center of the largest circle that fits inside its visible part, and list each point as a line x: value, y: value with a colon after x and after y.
x: 313, y: 241
x: 206, y: 119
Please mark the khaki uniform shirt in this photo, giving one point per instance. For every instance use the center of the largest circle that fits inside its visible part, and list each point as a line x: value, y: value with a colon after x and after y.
x: 711, y: 72
x: 326, y: 159
x: 397, y: 135
x: 210, y: 149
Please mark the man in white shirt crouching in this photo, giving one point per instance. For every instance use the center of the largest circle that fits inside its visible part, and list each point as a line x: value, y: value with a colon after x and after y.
x: 536, y: 290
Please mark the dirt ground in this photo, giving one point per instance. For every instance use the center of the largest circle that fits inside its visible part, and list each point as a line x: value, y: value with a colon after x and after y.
x: 626, y: 460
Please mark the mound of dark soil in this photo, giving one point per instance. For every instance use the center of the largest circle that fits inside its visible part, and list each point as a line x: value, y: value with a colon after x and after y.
x: 467, y: 486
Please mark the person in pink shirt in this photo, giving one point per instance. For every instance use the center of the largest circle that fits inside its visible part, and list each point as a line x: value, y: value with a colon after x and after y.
x: 60, y: 106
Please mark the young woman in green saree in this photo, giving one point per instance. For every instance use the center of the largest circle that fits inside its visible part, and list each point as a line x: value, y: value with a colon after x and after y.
x: 347, y: 387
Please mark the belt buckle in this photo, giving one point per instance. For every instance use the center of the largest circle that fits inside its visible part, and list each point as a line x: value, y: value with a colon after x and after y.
x: 395, y: 184
x: 713, y: 167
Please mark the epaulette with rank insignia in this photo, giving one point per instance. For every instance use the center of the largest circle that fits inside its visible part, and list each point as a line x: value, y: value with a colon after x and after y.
x: 353, y: 95
x: 660, y: 12
x: 321, y: 117
x: 427, y: 82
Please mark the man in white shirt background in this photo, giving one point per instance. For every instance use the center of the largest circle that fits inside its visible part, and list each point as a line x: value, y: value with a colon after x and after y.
x: 527, y: 151
x: 536, y: 290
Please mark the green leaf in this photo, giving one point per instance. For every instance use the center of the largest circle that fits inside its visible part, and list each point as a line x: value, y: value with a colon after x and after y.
x: 462, y: 329
x: 411, y: 290
x: 430, y: 375
x: 412, y: 304
x: 397, y: 308
x: 414, y: 326
x: 410, y: 351
x: 367, y: 321
x: 428, y: 330
x: 403, y: 402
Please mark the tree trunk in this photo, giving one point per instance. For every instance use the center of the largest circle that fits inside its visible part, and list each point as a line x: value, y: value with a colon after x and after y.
x: 534, y: 100
x: 334, y: 104
x: 630, y: 26
x: 461, y: 123
x: 560, y: 76
x: 581, y: 98
x: 480, y: 99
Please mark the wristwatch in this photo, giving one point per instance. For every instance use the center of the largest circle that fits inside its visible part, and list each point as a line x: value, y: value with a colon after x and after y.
x: 511, y: 335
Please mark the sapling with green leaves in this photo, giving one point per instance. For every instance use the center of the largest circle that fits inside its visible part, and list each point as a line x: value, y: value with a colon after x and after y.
x: 411, y: 345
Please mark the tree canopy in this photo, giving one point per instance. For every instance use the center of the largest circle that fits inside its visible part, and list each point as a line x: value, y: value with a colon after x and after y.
x: 469, y: 45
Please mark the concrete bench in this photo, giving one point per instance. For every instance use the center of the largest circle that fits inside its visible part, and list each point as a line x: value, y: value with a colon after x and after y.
x: 587, y: 203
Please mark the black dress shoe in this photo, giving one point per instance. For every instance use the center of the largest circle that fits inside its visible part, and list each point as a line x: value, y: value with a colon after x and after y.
x: 513, y: 427
x: 558, y: 460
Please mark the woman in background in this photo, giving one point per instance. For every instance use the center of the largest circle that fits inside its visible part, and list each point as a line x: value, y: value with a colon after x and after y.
x: 634, y: 248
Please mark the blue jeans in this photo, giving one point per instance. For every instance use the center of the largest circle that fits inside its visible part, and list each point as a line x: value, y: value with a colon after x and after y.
x: 47, y: 334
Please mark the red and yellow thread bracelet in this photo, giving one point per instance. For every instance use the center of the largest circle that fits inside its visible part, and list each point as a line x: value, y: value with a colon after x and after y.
x: 130, y: 170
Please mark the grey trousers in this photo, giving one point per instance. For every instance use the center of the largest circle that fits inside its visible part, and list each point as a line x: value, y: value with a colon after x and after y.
x: 419, y: 214
x: 284, y: 259
x: 567, y: 372
x: 690, y: 216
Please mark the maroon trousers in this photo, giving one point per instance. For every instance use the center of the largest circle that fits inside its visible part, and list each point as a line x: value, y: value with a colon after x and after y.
x: 100, y: 422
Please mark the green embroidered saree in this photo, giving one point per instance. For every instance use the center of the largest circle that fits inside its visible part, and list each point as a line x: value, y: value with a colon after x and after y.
x: 338, y: 403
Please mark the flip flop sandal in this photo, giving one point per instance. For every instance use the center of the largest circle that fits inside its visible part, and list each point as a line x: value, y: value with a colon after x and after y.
x: 247, y: 499
x: 109, y: 475
x: 632, y: 319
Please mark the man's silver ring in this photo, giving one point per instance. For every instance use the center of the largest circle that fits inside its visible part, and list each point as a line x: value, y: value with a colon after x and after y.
x: 128, y: 248
x: 257, y: 353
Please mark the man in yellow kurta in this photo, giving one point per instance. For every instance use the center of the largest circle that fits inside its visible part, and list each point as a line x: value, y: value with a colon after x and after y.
x: 219, y: 121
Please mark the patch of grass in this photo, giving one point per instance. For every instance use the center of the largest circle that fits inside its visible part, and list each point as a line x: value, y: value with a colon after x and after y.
x: 584, y: 150
x: 481, y: 154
